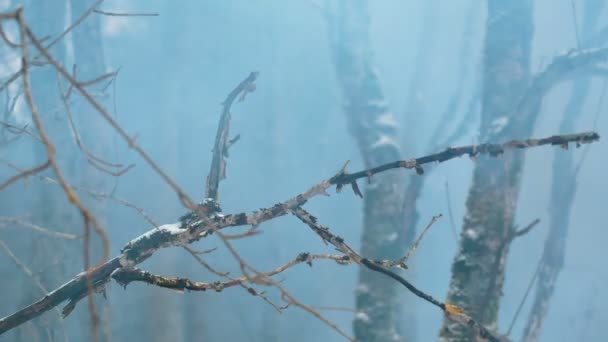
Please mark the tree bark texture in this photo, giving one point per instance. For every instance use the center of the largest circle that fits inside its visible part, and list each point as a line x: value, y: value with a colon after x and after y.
x: 479, y: 266
x: 374, y: 128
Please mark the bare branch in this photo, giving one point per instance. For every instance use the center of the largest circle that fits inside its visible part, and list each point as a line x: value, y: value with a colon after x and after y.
x: 448, y: 200
x: 116, y: 14
x: 26, y: 270
x: 25, y: 173
x: 526, y: 229
x: 493, y: 150
x: 97, y: 162
x: 36, y: 60
x: 192, y: 227
x: 414, y: 246
x: 451, y: 311
x: 23, y: 267
x: 37, y: 228
x: 217, y: 171
x: 126, y: 276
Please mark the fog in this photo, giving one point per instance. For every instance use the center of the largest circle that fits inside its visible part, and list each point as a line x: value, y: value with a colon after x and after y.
x: 174, y: 71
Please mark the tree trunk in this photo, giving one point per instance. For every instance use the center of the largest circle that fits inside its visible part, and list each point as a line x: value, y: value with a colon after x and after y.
x: 479, y: 266
x: 96, y: 134
x: 49, y: 207
x: 563, y: 191
x: 374, y: 128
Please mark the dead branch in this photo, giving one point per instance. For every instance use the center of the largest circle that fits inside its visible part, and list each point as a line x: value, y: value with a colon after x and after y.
x: 217, y: 171
x: 37, y: 59
x: 116, y: 14
x: 183, y: 197
x: 206, y: 218
x: 126, y: 276
x: 34, y: 227
x: 99, y: 163
x: 448, y: 200
x: 25, y: 174
x: 26, y: 270
x: 192, y: 228
x: 493, y: 150
x: 451, y: 311
x: 414, y: 246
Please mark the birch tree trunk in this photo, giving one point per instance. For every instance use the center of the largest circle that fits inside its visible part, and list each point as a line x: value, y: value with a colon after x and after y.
x: 374, y: 128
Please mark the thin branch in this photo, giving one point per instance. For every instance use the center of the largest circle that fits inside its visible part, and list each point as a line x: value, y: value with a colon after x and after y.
x: 7, y: 251
x: 87, y: 216
x: 37, y: 228
x: 25, y: 173
x: 452, y: 311
x: 14, y: 129
x: 448, y: 200
x: 414, y: 246
x: 493, y: 150
x: 126, y: 276
x: 291, y: 300
x: 97, y: 162
x: 525, y: 297
x: 28, y: 272
x: 36, y: 60
x: 525, y: 230
x: 116, y: 14
x: 6, y: 39
x: 50, y: 150
x: 110, y: 75
x: 193, y: 228
x: 184, y: 198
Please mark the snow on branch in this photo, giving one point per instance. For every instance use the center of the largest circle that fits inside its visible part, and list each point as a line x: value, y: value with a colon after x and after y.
x: 206, y: 218
x: 191, y: 230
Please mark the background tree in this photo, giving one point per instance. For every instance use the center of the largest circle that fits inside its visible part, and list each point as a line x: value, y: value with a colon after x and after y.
x: 564, y: 182
x: 175, y: 68
x: 478, y: 268
x: 374, y: 128
x: 49, y: 255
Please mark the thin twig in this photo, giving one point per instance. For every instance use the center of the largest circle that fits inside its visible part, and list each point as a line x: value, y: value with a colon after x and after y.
x: 88, y: 218
x: 116, y: 14
x: 141, y: 248
x: 183, y: 197
x: 525, y: 297
x: 25, y: 173
x: 414, y: 246
x: 448, y: 199
x: 28, y: 272
x: 37, y: 228
x: 36, y: 60
x: 97, y: 162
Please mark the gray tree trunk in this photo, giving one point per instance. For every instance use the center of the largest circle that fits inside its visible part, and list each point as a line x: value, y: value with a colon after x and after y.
x: 374, y: 128
x: 96, y: 134
x: 49, y: 207
x: 563, y: 191
x: 478, y: 268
